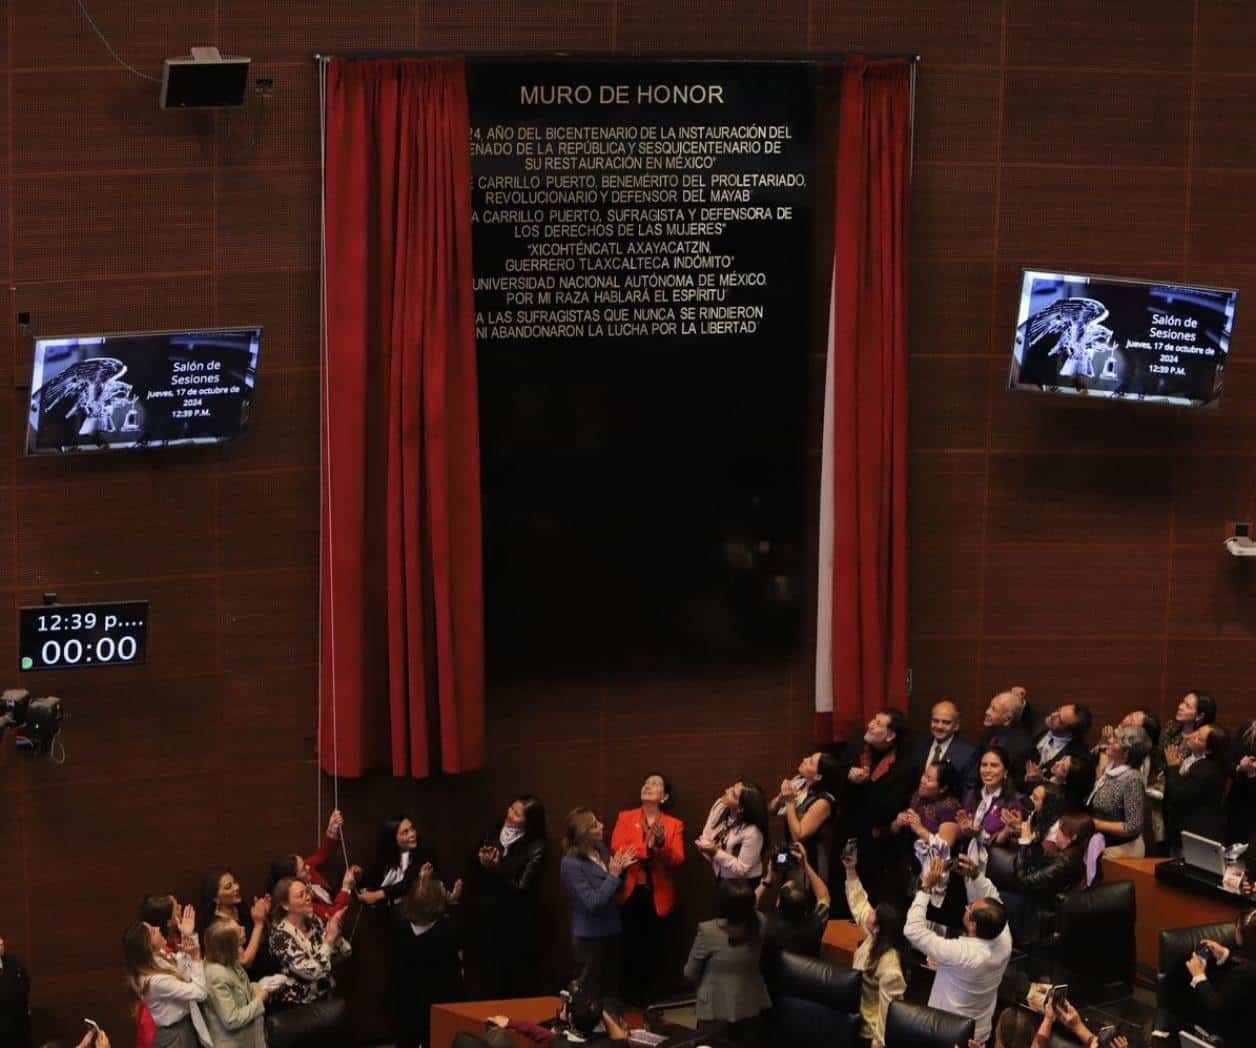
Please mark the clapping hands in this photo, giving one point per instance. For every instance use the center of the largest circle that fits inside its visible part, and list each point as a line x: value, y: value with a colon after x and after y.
x: 260, y: 909
x: 621, y: 860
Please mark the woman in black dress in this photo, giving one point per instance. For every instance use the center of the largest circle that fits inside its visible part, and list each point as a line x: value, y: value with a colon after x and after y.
x: 507, y: 870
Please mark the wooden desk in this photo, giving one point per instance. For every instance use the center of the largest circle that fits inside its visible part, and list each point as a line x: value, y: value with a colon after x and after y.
x: 841, y: 939
x: 1161, y: 906
x: 469, y: 1016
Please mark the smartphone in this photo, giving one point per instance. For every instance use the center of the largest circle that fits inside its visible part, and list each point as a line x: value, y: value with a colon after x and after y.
x: 92, y: 1025
x: 782, y: 859
x: 1058, y: 993
x: 1203, y: 953
x: 850, y: 851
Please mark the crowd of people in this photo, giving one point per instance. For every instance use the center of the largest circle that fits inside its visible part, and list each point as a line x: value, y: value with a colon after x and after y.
x: 900, y: 830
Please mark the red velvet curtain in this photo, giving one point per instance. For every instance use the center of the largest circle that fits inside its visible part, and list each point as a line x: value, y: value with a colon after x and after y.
x: 402, y: 615
x: 866, y: 409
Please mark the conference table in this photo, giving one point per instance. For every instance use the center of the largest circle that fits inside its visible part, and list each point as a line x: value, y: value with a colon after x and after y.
x: 1161, y: 905
x: 448, y: 1020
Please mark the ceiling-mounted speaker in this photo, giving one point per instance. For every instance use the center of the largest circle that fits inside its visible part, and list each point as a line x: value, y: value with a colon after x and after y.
x: 204, y: 81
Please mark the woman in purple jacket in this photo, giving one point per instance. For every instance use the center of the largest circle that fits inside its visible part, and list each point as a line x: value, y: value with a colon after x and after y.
x: 592, y: 876
x: 981, y: 819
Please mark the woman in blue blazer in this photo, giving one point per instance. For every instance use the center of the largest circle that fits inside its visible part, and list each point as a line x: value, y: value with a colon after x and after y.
x: 592, y: 877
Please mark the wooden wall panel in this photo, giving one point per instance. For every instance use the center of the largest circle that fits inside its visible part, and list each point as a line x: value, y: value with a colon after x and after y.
x: 1053, y: 116
x: 67, y: 226
x: 950, y: 32
x: 1073, y: 547
x: 292, y: 30
x: 1130, y: 34
x: 103, y: 119
x: 538, y: 25
x: 727, y: 25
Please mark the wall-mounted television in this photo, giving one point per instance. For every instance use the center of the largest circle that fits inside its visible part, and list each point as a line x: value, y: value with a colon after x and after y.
x: 141, y: 390
x: 1126, y: 339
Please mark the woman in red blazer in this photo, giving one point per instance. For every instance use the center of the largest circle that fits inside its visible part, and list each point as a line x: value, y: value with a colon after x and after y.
x: 649, y: 893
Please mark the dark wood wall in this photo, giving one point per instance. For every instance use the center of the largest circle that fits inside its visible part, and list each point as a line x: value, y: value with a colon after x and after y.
x: 1073, y: 547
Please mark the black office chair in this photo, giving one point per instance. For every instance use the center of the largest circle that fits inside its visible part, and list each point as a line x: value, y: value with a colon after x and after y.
x: 814, y: 1002
x: 919, y: 1026
x: 1093, y: 946
x: 1175, y: 1004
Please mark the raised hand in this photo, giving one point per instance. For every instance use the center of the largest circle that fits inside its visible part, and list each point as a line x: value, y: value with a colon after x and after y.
x: 426, y: 870
x: 931, y: 875
x: 456, y: 894
x: 335, y: 824
x: 260, y: 909
x: 187, y: 922
x: 966, y: 866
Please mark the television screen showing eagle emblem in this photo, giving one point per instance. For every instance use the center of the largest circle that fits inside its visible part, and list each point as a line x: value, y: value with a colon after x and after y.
x: 143, y: 390
x: 1116, y: 338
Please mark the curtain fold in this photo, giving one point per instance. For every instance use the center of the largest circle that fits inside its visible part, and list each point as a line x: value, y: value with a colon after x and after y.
x: 861, y: 662
x: 402, y: 678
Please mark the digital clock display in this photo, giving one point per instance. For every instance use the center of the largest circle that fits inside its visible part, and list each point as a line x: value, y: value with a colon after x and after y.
x: 71, y: 636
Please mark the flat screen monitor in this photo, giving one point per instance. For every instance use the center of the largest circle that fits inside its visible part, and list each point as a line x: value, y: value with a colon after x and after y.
x: 1123, y: 339
x: 143, y: 390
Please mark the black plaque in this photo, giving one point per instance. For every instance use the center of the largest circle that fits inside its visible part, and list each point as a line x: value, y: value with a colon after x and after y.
x: 642, y: 245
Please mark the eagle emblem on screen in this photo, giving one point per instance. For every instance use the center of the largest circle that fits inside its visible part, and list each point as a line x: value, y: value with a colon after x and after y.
x: 94, y: 391
x: 1077, y: 324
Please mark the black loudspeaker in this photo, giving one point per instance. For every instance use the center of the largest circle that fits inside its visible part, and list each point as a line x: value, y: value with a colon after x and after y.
x: 204, y: 81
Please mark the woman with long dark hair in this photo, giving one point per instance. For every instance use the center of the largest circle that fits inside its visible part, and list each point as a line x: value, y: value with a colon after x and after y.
x: 808, y: 803
x: 981, y: 819
x: 220, y: 901
x: 1046, y: 874
x: 736, y: 838
x: 399, y: 856
x: 167, y: 985
x: 879, y: 957
x: 724, y: 963
x: 506, y: 875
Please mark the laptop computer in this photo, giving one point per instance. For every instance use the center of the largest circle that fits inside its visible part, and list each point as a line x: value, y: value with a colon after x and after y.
x: 1203, y: 853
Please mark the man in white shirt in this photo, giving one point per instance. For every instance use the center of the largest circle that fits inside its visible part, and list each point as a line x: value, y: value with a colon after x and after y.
x: 970, y: 968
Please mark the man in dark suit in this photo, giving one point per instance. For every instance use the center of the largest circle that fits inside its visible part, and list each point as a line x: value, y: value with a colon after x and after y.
x: 877, y: 776
x: 15, y: 995
x: 1064, y: 736
x: 1194, y: 784
x: 1004, y: 728
x: 1225, y: 983
x: 943, y: 743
